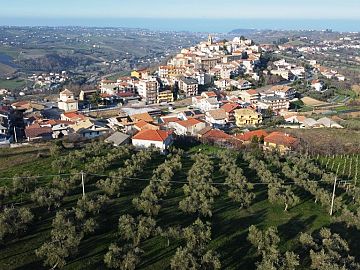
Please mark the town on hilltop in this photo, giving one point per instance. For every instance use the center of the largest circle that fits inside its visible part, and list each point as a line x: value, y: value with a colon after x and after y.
x: 213, y: 92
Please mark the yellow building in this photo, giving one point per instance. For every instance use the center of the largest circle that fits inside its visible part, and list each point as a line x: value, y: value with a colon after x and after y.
x: 247, y: 117
x: 165, y: 96
x: 140, y: 74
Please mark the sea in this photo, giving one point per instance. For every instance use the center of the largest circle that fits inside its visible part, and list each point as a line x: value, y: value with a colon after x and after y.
x: 193, y: 25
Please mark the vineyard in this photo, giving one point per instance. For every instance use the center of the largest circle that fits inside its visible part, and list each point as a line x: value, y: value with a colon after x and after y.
x: 119, y: 208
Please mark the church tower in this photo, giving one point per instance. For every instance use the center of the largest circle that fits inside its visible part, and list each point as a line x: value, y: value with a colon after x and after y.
x: 210, y: 40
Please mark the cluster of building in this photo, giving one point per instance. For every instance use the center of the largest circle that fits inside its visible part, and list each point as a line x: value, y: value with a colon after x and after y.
x: 287, y: 71
x: 218, y: 63
x: 49, y: 79
x: 141, y: 126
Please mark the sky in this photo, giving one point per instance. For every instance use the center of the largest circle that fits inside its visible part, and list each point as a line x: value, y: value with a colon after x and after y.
x: 205, y: 9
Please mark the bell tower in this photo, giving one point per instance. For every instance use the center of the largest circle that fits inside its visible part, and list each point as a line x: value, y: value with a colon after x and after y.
x: 210, y: 40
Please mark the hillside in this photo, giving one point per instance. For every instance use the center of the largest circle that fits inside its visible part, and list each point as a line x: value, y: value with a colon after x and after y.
x: 127, y: 176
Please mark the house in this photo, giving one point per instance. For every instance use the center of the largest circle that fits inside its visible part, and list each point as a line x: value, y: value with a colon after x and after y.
x: 187, y: 127
x: 149, y: 90
x: 244, y: 84
x: 317, y: 85
x: 283, y: 91
x: 93, y: 131
x: 247, y: 117
x: 274, y: 103
x: 67, y: 101
x: 142, y: 116
x: 295, y: 119
x: 140, y: 74
x: 153, y: 138
x: 249, y: 136
x: 217, y: 118
x: 188, y: 86
x: 280, y: 141
x: 209, y: 94
x: 166, y: 96
x: 60, y: 130
x: 73, y: 117
x: 250, y: 96
x: 185, y: 115
x: 206, y: 104
x: 219, y: 137
x: 230, y: 108
x: 118, y: 139
x: 36, y: 132
x: 142, y: 125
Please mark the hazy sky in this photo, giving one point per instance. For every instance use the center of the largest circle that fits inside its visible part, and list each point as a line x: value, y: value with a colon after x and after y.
x: 315, y: 9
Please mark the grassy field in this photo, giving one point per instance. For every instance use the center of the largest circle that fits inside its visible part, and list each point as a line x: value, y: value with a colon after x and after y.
x: 229, y: 224
x: 16, y: 84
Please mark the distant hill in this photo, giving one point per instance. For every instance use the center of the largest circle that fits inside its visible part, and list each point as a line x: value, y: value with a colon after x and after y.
x: 243, y: 31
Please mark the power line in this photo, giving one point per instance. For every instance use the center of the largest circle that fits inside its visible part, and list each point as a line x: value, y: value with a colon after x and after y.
x: 149, y: 179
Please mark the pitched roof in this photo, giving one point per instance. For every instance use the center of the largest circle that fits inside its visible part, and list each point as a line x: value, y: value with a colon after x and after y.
x: 140, y: 125
x: 66, y: 92
x: 204, y: 131
x: 251, y: 92
x: 229, y: 107
x: 35, y: 131
x: 216, y: 134
x: 74, y: 116
x: 209, y: 94
x: 117, y: 138
x: 247, y: 136
x: 152, y: 135
x: 189, y: 123
x: 217, y: 114
x: 142, y: 116
x: 169, y: 119
x: 280, y: 138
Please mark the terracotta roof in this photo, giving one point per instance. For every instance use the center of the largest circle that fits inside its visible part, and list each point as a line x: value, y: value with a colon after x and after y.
x: 189, y: 123
x: 210, y: 94
x: 247, y: 136
x: 229, y: 107
x: 74, y: 116
x: 204, y: 131
x: 167, y: 120
x: 280, y: 138
x: 216, y: 134
x: 152, y: 135
x: 142, y: 116
x: 35, y: 131
x: 251, y: 92
x: 145, y: 125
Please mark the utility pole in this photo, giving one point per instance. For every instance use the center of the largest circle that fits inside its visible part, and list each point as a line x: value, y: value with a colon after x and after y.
x: 82, y: 182
x: 333, y: 197
x: 15, y: 136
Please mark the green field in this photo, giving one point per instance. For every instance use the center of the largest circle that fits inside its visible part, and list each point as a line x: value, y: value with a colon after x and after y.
x: 229, y: 223
x: 16, y: 84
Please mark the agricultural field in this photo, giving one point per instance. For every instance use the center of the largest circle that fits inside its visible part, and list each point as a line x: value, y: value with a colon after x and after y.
x: 16, y: 84
x: 200, y: 207
x: 345, y: 166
